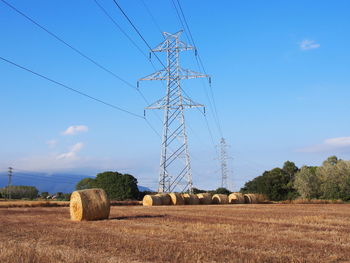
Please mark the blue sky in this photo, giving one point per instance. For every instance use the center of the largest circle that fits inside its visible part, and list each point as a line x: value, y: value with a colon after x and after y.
x: 280, y: 73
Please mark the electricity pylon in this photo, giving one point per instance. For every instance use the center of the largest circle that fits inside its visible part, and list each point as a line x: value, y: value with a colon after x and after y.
x: 175, y: 166
x: 9, y: 183
x: 223, y: 162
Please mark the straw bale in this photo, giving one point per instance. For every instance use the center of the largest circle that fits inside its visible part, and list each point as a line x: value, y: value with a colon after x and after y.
x: 164, y: 199
x: 89, y: 204
x: 151, y: 200
x: 176, y: 199
x: 236, y: 198
x: 190, y: 199
x: 220, y: 199
x: 250, y: 199
x: 204, y: 198
x: 261, y: 198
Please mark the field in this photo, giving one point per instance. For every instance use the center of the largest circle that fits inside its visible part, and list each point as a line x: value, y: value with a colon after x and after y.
x: 231, y: 233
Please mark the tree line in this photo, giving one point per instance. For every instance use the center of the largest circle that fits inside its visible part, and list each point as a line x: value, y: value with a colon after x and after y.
x: 330, y: 181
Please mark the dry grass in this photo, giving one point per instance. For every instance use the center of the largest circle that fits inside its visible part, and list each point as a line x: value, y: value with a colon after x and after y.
x: 21, y: 203
x: 312, y: 201
x: 221, y: 233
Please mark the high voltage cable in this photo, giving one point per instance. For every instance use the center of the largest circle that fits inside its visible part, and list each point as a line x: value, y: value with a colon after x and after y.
x: 199, y: 60
x: 80, y: 53
x: 90, y: 59
x: 120, y: 28
x: 147, y: 44
x: 141, y: 36
x: 152, y: 17
x: 137, y: 31
x: 75, y: 49
x: 45, y: 175
x: 71, y: 89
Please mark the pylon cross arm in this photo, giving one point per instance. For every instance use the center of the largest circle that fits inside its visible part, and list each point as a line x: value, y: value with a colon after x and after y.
x: 182, y: 74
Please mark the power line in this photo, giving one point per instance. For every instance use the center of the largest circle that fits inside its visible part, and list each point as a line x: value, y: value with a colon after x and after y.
x: 147, y: 44
x: 200, y: 65
x: 87, y: 57
x: 80, y: 52
x: 137, y: 31
x: 47, y: 175
x: 154, y: 20
x: 71, y: 89
x: 152, y: 17
x: 75, y: 49
x: 120, y: 28
x: 24, y: 176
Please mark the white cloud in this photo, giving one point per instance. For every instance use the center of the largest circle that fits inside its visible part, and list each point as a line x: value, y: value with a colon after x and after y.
x: 331, y: 144
x: 338, y: 142
x: 307, y: 44
x: 51, y: 143
x: 75, y: 129
x: 72, y: 154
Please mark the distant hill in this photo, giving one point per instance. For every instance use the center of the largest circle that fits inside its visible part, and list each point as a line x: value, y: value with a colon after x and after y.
x: 143, y: 188
x: 57, y: 182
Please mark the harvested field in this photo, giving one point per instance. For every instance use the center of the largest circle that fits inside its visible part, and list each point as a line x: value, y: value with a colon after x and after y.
x: 20, y: 203
x: 199, y: 233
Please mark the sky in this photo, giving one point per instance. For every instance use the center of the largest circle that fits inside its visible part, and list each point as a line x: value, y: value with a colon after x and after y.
x: 280, y: 80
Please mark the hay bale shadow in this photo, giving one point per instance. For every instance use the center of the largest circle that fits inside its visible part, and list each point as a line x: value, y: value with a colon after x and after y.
x: 137, y: 217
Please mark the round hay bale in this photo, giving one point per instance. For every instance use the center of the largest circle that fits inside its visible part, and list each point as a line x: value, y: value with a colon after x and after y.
x: 236, y: 198
x: 190, y: 199
x: 89, y: 204
x: 204, y: 198
x: 176, y: 199
x: 164, y: 199
x: 250, y: 199
x: 261, y: 198
x: 220, y: 199
x: 151, y: 200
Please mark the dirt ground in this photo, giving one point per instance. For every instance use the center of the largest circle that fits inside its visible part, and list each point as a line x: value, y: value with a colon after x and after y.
x: 228, y: 233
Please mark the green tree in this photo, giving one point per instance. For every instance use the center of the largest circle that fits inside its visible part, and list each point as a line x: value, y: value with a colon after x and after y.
x: 86, y: 183
x: 222, y: 190
x: 308, y: 183
x: 290, y: 168
x: 332, y: 160
x: 20, y: 191
x: 198, y: 191
x: 275, y: 184
x: 44, y: 195
x: 335, y: 179
x: 117, y: 186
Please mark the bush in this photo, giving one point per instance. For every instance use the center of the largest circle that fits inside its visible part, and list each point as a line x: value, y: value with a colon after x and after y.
x: 20, y: 191
x: 117, y: 186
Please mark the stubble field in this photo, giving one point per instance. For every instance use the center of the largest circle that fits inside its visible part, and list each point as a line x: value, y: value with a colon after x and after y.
x: 231, y: 233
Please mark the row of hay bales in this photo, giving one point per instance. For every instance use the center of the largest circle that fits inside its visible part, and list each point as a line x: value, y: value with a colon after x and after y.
x: 203, y: 198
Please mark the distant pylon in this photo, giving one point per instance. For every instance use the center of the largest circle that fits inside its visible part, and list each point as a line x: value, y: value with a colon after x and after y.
x: 9, y: 183
x: 175, y: 166
x: 223, y: 162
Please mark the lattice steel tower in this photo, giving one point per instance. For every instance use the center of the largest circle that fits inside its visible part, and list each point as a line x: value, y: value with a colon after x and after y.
x: 223, y: 162
x: 175, y: 166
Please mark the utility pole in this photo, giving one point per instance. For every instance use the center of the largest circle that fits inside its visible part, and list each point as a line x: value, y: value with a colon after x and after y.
x: 223, y: 162
x: 175, y: 166
x: 9, y: 182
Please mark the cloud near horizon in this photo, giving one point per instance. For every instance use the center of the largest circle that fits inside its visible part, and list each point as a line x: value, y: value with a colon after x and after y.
x: 331, y: 144
x: 72, y: 154
x: 75, y: 129
x: 307, y: 44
